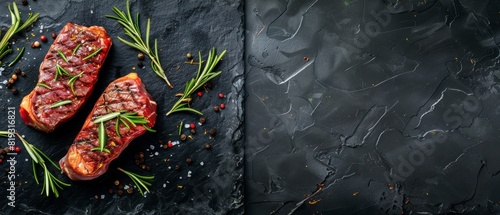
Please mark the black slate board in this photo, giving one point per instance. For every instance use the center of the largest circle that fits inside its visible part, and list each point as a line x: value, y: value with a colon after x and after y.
x: 372, y: 107
x: 215, y: 185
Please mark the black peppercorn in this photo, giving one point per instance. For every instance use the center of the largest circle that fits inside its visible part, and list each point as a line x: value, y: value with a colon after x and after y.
x: 208, y: 146
x: 216, y: 108
x: 177, y: 167
x: 212, y: 131
x: 53, y: 35
x: 24, y: 2
x: 189, y: 160
x: 183, y: 137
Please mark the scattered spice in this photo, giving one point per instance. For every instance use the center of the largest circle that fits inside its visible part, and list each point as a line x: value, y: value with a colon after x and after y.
x: 9, y: 85
x: 140, y: 56
x: 43, y: 38
x: 14, y: 91
x: 213, y: 131
x: 222, y: 106
x: 140, y: 64
x: 117, y: 182
x: 130, y: 190
x: 216, y: 108
x: 200, y: 93
x: 202, y: 120
x: 119, y: 192
x: 221, y: 95
x: 306, y: 58
x: 189, y: 160
x: 183, y: 137
x: 35, y: 44
x: 141, y: 154
x: 189, y: 56
x: 208, y: 146
x: 53, y: 35
x: 192, y: 125
x: 24, y: 2
x: 193, y: 131
x: 177, y: 167
x: 11, y: 81
x: 14, y: 76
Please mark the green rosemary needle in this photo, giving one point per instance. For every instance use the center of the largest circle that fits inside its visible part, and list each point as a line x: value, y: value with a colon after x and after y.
x: 139, y: 180
x: 14, y: 28
x: 203, y: 75
x: 60, y: 103
x: 93, y: 54
x: 76, y: 48
x: 103, y: 137
x: 132, y: 30
x: 61, y: 54
x: 44, y: 85
x: 60, y: 71
x: 4, y: 133
x: 72, y: 81
x: 50, y: 182
x: 18, y: 56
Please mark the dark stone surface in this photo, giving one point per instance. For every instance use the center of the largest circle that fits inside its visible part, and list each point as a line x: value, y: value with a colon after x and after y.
x: 372, y: 107
x: 216, y: 182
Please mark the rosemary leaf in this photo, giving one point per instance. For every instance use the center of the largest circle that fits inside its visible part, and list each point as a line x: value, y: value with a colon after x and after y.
x: 61, y: 54
x: 60, y: 103
x: 76, y: 48
x: 14, y: 28
x: 107, y: 117
x: 103, y: 137
x: 93, y: 54
x: 18, y: 56
x: 99, y: 149
x: 44, y: 85
x: 140, y: 181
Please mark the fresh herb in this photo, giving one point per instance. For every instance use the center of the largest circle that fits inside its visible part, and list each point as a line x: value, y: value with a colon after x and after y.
x: 4, y: 133
x: 50, y: 182
x: 103, y: 138
x: 18, y: 56
x: 72, y: 81
x: 139, y: 180
x: 202, y: 76
x: 122, y: 117
x: 76, y: 48
x: 61, y: 54
x: 132, y: 30
x: 44, y: 85
x: 180, y: 129
x: 93, y: 54
x: 60, y: 71
x: 60, y: 103
x: 15, y: 27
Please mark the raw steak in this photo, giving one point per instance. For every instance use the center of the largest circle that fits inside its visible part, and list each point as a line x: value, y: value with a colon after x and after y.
x: 126, y: 94
x: 76, y: 43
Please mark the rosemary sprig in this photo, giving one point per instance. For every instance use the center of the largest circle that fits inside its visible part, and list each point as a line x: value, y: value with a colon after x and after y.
x: 131, y: 28
x: 18, y: 56
x: 15, y: 27
x: 202, y: 76
x: 139, y: 180
x: 4, y: 133
x: 60, y: 103
x: 50, y: 182
x: 61, y: 54
x: 60, y: 71
x: 93, y: 54
x: 122, y: 117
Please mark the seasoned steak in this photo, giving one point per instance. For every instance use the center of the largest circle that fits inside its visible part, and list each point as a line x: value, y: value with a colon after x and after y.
x: 126, y: 94
x: 67, y: 74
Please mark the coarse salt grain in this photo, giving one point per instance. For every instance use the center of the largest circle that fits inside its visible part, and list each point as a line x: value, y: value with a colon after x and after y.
x: 152, y: 147
x: 201, y: 163
x: 156, y: 153
x: 189, y: 174
x: 164, y: 185
x: 186, y: 125
x: 102, y: 196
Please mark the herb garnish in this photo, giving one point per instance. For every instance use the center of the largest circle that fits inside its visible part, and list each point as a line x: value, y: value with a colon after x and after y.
x: 139, y: 180
x: 50, y: 182
x: 17, y: 57
x: 202, y: 77
x: 44, y: 85
x: 72, y: 81
x: 93, y: 54
x: 14, y: 28
x: 61, y: 54
x: 122, y: 117
x: 132, y: 30
x: 76, y: 48
x: 60, y: 71
x: 60, y: 103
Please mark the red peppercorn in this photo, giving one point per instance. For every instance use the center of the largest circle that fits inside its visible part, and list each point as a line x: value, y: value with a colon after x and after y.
x: 170, y: 145
x: 200, y: 93
x: 221, y: 95
x: 43, y: 38
x: 17, y: 149
x: 1, y: 161
x: 222, y: 106
x: 192, y: 125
